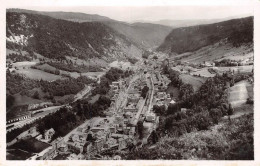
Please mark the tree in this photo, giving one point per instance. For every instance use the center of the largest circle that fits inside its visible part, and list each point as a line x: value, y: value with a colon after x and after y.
x: 90, y: 137
x: 36, y: 95
x: 57, y: 72
x: 173, y: 108
x: 159, y: 110
x: 9, y: 101
x: 145, y: 54
x: 230, y: 109
x: 154, y: 137
x: 215, y: 115
x: 140, y: 128
x: 155, y: 57
x: 144, y: 91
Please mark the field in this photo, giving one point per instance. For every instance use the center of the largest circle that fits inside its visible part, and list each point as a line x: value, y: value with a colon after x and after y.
x: 72, y: 74
x: 203, y: 73
x: 30, y: 145
x: 25, y: 64
x: 38, y: 74
x: 184, y: 69
x: 250, y: 90
x: 64, y: 99
x: 173, y: 90
x: 196, y: 82
x: 17, y: 154
x: 93, y: 74
x: 8, y: 51
x: 239, y: 93
x: 216, y: 52
x: 242, y: 69
x: 94, y: 98
x: 23, y: 100
x: 46, y: 67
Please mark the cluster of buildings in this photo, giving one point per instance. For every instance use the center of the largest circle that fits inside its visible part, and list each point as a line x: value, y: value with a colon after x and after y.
x: 107, y: 134
x: 160, y: 81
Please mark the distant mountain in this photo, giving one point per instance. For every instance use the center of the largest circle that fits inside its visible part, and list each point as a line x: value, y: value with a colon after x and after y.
x: 145, y: 35
x: 192, y: 38
x: 190, y: 22
x: 56, y: 38
x: 70, y: 16
x: 186, y: 23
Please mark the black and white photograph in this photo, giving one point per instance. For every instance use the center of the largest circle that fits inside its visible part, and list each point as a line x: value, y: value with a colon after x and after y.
x: 129, y: 83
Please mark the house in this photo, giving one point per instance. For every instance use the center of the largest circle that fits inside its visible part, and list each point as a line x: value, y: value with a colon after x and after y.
x: 131, y: 108
x: 133, y: 97
x: 46, y: 154
x: 150, y: 117
x: 132, y: 131
x: 207, y: 64
x: 183, y: 110
x: 97, y: 129
x: 112, y: 129
x: 110, y: 143
x: 161, y: 95
x: 75, y: 147
x: 88, y: 148
x: 63, y: 147
x: 58, y: 142
x: 48, y: 134
x: 122, y: 143
x: 99, y: 143
x: 172, y: 102
x: 117, y: 136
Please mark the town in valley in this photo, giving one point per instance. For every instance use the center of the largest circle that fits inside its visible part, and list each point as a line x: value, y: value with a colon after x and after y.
x: 87, y: 87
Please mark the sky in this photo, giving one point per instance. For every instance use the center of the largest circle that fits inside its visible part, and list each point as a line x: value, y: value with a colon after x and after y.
x: 155, y: 13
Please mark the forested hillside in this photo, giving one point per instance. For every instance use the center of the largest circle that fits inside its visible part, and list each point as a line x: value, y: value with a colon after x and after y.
x: 188, y: 39
x: 146, y: 35
x: 55, y: 38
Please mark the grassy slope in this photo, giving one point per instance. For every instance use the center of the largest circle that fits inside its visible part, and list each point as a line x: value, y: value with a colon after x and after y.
x: 188, y: 39
x: 225, y: 141
x: 217, y: 52
x: 38, y: 74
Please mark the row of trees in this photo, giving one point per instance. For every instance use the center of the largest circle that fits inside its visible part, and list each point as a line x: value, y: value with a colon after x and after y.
x: 65, y: 87
x: 112, y: 75
x: 74, y: 67
x: 56, y: 71
x: 18, y: 58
